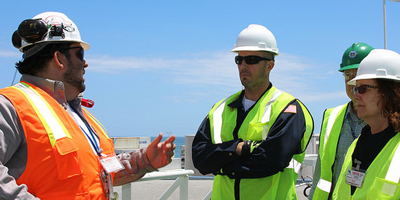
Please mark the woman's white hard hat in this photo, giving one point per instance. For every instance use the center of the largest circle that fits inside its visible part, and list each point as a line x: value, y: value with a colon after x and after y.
x: 379, y: 64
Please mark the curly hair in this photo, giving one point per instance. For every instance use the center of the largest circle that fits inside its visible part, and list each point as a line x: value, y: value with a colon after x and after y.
x: 37, y: 62
x: 390, y: 96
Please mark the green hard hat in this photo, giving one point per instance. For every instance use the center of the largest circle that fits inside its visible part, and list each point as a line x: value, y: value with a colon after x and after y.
x: 354, y: 55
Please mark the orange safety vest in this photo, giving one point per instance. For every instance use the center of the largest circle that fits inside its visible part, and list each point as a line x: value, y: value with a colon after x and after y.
x: 61, y: 163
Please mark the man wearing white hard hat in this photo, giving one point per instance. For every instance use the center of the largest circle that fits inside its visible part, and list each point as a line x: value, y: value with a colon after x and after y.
x: 371, y: 167
x: 254, y: 141
x: 50, y: 146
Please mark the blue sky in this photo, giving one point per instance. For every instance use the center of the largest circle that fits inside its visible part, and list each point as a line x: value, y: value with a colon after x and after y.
x: 159, y: 66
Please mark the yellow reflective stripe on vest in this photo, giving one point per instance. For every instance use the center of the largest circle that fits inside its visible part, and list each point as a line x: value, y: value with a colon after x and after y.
x: 97, y: 121
x: 331, y: 121
x: 54, y: 127
x: 393, y: 173
x: 217, y: 121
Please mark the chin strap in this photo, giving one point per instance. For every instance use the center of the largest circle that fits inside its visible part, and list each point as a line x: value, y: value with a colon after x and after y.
x: 87, y: 103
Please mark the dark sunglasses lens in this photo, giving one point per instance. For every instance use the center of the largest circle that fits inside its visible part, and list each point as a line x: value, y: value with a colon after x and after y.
x: 80, y: 54
x: 361, y: 89
x: 238, y: 60
x: 252, y: 60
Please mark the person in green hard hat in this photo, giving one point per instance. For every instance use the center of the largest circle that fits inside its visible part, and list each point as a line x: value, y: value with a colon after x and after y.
x: 340, y: 127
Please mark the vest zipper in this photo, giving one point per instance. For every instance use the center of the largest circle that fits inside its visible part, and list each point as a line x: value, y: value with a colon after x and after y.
x: 237, y: 189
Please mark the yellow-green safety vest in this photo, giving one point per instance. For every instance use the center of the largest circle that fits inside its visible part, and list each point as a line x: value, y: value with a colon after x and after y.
x: 381, y: 179
x: 329, y: 137
x: 255, y: 128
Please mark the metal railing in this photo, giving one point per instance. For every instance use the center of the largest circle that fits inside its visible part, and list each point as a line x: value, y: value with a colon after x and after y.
x: 306, y: 180
x: 182, y: 181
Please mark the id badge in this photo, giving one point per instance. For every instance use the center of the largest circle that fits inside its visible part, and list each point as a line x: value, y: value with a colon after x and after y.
x: 355, y: 177
x: 111, y: 163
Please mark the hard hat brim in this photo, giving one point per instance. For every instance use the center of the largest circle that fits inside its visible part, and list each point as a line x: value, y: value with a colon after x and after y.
x: 354, y: 66
x: 372, y: 76
x: 84, y: 45
x: 252, y: 48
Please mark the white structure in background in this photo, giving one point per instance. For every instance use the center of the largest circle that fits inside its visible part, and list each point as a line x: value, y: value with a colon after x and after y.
x: 127, y: 144
x: 384, y: 21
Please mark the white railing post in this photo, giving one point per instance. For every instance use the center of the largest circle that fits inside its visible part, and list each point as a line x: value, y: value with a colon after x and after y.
x: 184, y: 188
x: 126, y: 191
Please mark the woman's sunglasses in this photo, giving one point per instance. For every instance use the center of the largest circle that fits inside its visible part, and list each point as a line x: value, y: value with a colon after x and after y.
x: 362, y: 88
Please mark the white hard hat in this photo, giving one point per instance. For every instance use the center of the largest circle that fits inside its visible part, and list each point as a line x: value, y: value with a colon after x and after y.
x: 379, y: 64
x: 256, y: 38
x: 47, y: 27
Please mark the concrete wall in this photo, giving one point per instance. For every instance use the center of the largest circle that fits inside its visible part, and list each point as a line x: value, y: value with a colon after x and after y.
x: 188, y: 156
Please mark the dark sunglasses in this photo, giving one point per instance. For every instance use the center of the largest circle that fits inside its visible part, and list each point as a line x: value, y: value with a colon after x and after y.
x: 80, y: 54
x: 362, y: 88
x: 251, y: 60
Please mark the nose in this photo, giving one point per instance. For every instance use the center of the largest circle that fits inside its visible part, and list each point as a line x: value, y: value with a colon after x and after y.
x: 86, y: 64
x: 356, y: 95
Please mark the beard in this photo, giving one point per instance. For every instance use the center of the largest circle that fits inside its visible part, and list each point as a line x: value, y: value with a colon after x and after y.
x: 73, y: 76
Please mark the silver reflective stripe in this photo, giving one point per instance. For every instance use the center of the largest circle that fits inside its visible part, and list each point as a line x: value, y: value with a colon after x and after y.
x: 217, y: 121
x: 267, y: 112
x: 331, y: 121
x: 294, y: 164
x: 393, y: 173
x: 44, y: 112
x: 324, y: 185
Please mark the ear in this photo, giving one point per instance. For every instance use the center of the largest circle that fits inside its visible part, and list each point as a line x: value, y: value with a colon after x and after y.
x: 270, y: 65
x: 59, y: 59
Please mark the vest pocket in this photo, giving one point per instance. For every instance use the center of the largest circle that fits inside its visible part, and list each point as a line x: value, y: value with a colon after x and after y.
x: 66, y: 154
x: 254, y: 130
x: 383, y: 189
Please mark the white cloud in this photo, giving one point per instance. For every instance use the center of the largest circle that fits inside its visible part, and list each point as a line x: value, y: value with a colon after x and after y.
x: 10, y: 54
x: 300, y: 76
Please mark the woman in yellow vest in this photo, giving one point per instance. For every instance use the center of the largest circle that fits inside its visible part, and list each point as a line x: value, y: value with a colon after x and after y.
x: 371, y: 169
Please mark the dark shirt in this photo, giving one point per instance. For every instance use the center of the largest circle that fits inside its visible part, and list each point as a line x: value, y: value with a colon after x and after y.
x: 369, y: 145
x: 271, y: 156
